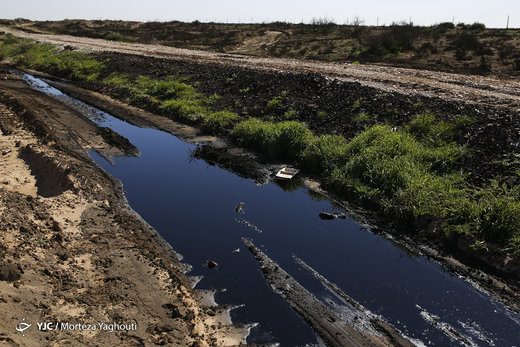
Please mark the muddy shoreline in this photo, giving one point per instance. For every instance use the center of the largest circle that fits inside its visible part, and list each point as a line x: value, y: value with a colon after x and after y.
x: 333, y: 329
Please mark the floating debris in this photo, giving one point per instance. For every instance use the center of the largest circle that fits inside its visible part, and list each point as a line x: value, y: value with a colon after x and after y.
x: 240, y: 207
x: 329, y: 216
x: 211, y: 264
x: 246, y: 223
x: 287, y: 173
x: 447, y: 329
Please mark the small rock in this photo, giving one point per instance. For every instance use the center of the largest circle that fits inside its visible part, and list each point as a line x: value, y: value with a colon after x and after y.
x: 240, y: 207
x: 56, y: 226
x: 326, y: 215
x: 10, y: 272
x: 211, y: 264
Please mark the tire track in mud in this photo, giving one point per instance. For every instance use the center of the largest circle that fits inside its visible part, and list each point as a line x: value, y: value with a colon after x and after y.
x: 335, y: 329
x: 479, y: 90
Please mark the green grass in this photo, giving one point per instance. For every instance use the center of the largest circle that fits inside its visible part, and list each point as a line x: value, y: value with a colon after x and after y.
x: 218, y: 121
x: 413, y: 175
x: 322, y: 114
x: 499, y: 213
x: 274, y: 103
x: 177, y: 99
x: 284, y: 139
x: 117, y: 80
x: 169, y: 88
x: 362, y: 118
x: 325, y: 153
x: 427, y: 128
x: 515, y: 244
x: 46, y: 57
x: 290, y: 114
x: 187, y: 110
x: 358, y: 103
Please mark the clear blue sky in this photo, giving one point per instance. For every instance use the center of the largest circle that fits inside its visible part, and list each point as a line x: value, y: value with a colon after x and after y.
x: 492, y: 13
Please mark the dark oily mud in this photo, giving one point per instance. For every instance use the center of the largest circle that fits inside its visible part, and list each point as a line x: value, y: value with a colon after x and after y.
x: 61, y: 120
x: 329, y: 326
x: 116, y: 140
x: 237, y: 161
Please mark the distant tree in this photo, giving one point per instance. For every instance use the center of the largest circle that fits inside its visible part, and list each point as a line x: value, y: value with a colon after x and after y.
x: 322, y: 21
x: 445, y: 25
x: 477, y: 26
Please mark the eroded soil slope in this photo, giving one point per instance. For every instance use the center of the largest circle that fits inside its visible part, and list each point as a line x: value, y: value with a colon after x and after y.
x: 72, y: 250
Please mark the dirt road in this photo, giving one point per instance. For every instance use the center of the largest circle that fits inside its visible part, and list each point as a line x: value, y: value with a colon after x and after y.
x: 459, y: 88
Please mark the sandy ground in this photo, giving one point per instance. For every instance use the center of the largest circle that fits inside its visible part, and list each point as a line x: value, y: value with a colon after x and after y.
x: 74, y: 252
x: 459, y: 88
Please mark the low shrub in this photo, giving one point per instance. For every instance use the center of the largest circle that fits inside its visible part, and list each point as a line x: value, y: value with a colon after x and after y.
x: 277, y: 140
x: 217, y: 121
x: 499, y: 213
x: 187, y: 110
x: 325, y: 153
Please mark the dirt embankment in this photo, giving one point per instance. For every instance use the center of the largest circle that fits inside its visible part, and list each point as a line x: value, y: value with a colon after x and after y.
x: 73, y: 251
x: 477, y: 90
x: 79, y: 132
x: 466, y: 48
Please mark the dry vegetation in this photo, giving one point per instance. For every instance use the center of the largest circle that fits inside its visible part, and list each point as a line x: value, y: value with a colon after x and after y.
x: 458, y: 48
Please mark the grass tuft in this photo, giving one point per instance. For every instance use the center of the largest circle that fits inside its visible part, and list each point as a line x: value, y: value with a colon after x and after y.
x: 277, y: 140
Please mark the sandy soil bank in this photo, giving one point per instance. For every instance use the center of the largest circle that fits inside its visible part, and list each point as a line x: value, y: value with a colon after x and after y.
x: 73, y: 251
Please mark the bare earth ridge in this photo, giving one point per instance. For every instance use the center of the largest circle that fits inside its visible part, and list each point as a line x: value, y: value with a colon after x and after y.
x: 503, y: 93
